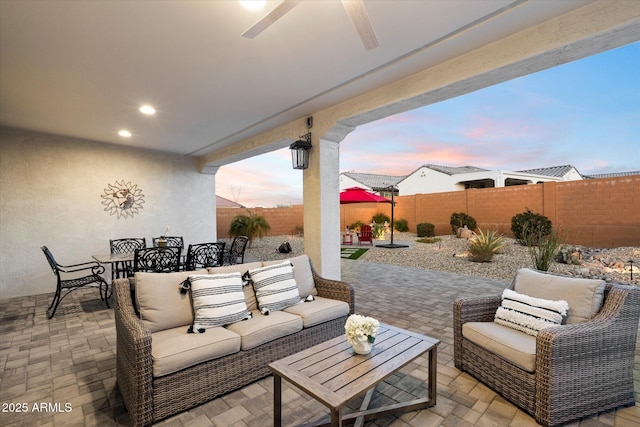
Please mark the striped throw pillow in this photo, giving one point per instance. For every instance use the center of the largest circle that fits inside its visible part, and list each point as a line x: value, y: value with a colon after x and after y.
x: 275, y: 287
x: 218, y: 300
x: 529, y: 314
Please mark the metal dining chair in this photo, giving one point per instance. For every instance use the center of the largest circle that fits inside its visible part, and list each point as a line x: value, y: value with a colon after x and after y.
x: 124, y: 269
x: 73, y: 277
x: 235, y: 255
x: 157, y: 260
x: 203, y: 255
x: 172, y: 241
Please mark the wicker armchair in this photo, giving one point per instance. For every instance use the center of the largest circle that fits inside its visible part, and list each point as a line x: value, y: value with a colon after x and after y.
x: 580, y: 369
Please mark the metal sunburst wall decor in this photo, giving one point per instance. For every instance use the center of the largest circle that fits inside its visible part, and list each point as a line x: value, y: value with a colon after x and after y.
x: 123, y: 199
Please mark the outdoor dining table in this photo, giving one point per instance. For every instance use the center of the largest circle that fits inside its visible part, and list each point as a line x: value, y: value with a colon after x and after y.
x: 113, y: 258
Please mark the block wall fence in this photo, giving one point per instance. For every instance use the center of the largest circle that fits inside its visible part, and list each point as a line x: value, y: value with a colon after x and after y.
x: 601, y: 212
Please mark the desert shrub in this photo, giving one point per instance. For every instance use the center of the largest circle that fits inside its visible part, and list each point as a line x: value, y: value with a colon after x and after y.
x: 542, y: 247
x: 460, y: 219
x: 429, y: 240
x: 250, y: 225
x: 484, y: 245
x: 537, y: 225
x: 356, y: 226
x: 380, y: 218
x: 401, y: 225
x: 426, y: 229
x: 378, y: 232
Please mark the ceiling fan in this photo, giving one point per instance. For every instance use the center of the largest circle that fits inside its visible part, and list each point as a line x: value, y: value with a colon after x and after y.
x: 354, y: 8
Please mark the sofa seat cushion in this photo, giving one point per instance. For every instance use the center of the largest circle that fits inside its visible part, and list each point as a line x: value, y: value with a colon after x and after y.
x: 159, y: 301
x: 319, y: 311
x: 261, y: 329
x: 174, y: 349
x: 585, y: 296
x: 511, y: 345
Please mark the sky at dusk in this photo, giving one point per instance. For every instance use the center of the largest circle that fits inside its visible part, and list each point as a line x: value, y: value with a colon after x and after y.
x: 585, y: 113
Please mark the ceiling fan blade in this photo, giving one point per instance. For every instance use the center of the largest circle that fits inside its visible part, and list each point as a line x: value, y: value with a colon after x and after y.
x: 360, y: 20
x: 278, y: 12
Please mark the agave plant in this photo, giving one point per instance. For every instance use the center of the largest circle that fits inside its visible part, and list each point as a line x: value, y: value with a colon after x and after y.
x: 250, y: 225
x: 484, y: 245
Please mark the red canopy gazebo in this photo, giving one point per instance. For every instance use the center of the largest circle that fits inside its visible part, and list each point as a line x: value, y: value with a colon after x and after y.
x: 360, y: 195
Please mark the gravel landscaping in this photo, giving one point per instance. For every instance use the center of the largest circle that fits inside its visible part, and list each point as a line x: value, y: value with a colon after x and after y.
x: 449, y: 254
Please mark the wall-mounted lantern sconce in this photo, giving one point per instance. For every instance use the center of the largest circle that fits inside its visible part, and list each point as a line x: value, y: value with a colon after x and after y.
x: 301, y: 148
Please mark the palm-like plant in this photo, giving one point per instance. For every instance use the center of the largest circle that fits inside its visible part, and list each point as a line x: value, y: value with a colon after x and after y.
x: 250, y: 225
x: 484, y: 245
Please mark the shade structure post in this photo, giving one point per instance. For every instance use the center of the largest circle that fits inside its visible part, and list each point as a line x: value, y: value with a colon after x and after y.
x: 393, y: 205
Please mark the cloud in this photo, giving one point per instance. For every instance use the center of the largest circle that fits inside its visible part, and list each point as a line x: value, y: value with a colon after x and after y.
x: 572, y: 114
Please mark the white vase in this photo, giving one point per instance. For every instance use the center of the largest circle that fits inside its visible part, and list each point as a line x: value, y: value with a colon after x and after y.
x: 362, y: 347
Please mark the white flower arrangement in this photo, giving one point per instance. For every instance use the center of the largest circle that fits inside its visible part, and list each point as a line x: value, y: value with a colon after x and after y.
x: 361, y: 328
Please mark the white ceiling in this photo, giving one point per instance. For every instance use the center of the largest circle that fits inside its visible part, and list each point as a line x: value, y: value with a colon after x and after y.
x: 83, y: 68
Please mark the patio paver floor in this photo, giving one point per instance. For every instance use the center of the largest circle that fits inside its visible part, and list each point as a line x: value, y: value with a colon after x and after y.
x: 71, y: 359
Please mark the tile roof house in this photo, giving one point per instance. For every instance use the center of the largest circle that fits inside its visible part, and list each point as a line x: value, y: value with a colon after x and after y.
x: 377, y: 183
x: 221, y: 202
x: 611, y: 175
x: 431, y: 178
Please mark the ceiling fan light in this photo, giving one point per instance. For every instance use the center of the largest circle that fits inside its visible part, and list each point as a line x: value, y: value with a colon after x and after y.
x: 253, y: 4
x: 148, y: 110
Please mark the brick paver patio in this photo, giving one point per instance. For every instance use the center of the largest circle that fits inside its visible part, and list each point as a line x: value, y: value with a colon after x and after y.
x: 71, y: 360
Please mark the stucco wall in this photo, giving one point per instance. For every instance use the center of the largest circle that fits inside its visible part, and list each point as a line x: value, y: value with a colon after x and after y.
x: 50, y: 188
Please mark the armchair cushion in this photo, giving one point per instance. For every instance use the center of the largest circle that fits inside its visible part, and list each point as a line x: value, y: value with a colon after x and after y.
x: 159, y: 301
x: 528, y: 314
x: 275, y: 286
x: 218, y: 300
x: 585, y: 296
x: 514, y: 346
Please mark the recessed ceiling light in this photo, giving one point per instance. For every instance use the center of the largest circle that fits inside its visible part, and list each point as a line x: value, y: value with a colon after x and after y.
x: 148, y: 110
x: 124, y: 133
x: 253, y: 4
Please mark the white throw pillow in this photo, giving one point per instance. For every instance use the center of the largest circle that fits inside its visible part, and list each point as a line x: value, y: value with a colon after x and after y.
x: 218, y: 300
x: 528, y: 314
x: 275, y: 286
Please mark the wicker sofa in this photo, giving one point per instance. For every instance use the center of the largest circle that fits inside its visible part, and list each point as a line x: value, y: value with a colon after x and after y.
x: 566, y: 372
x: 154, y: 386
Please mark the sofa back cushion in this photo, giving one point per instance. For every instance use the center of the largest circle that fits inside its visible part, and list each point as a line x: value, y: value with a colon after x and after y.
x: 218, y: 300
x: 275, y: 286
x: 249, y: 293
x: 160, y: 303
x: 585, y: 296
x: 302, y: 274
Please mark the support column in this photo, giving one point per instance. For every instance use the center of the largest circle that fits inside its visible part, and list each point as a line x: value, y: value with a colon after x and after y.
x: 322, y: 207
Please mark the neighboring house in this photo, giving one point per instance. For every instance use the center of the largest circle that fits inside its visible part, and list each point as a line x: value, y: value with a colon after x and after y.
x: 611, y: 175
x: 378, y: 184
x: 221, y: 202
x: 436, y: 179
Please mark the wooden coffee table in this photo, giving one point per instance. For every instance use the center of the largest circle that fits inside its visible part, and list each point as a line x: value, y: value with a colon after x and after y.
x: 334, y: 375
